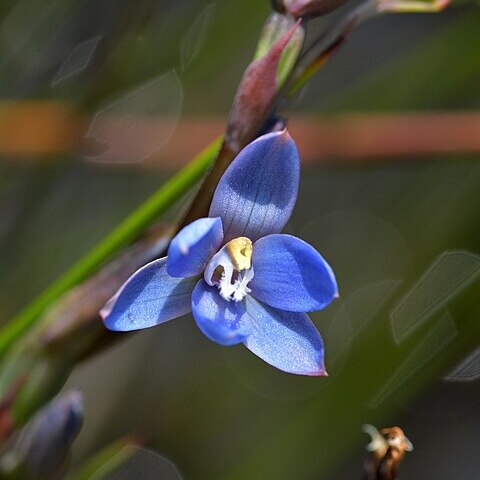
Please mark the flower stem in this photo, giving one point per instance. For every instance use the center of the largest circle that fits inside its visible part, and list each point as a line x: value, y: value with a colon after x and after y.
x: 125, y: 233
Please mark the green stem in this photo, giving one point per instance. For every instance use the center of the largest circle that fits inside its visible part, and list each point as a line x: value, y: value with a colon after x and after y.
x: 125, y: 233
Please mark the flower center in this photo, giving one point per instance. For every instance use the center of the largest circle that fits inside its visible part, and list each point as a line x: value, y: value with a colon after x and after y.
x: 231, y: 269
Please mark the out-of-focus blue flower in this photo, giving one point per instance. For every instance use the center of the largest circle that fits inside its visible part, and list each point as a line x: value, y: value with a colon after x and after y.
x: 243, y: 280
x: 45, y: 442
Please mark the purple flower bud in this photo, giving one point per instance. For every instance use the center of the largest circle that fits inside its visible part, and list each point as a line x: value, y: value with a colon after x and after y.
x: 259, y: 86
x: 44, y: 443
x: 306, y: 8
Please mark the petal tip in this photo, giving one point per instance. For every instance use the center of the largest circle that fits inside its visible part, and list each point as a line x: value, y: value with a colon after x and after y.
x: 106, y: 310
x: 281, y: 136
x: 316, y: 372
x: 320, y: 372
x: 109, y: 325
x: 284, y: 134
x: 109, y: 322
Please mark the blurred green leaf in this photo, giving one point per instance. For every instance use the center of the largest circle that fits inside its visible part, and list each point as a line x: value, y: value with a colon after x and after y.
x: 107, y: 460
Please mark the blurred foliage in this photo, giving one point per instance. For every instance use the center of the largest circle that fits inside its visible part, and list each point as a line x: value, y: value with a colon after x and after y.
x: 446, y: 70
x: 107, y: 460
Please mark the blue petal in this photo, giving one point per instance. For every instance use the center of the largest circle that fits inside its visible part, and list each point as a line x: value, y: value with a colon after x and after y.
x: 149, y: 297
x: 287, y: 340
x: 257, y: 193
x: 291, y: 275
x: 224, y: 322
x: 192, y: 247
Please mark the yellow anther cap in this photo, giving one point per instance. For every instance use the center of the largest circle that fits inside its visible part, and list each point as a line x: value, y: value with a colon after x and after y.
x: 240, y: 251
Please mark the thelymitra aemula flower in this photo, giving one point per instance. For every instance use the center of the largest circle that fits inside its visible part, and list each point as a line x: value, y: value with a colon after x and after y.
x: 243, y: 280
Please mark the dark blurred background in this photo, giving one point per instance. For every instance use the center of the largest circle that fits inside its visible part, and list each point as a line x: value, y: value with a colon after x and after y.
x: 97, y: 95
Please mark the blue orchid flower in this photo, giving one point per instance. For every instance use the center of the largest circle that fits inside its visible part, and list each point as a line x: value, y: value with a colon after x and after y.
x: 243, y: 280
